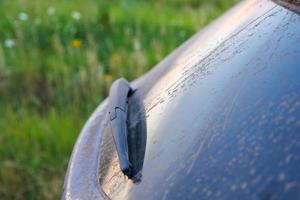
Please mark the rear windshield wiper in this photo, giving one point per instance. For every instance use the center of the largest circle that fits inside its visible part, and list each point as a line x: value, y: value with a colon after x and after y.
x: 118, y: 108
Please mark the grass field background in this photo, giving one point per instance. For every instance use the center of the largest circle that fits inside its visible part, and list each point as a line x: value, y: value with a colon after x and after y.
x: 57, y: 61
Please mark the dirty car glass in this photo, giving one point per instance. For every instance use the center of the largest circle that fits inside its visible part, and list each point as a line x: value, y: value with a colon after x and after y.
x: 221, y: 113
x: 225, y: 126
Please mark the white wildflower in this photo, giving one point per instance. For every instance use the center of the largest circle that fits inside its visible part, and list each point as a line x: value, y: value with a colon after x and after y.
x: 9, y: 43
x: 23, y: 16
x: 51, y: 11
x: 76, y: 15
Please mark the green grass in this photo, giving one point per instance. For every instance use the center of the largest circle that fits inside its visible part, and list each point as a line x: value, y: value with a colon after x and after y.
x: 55, y: 69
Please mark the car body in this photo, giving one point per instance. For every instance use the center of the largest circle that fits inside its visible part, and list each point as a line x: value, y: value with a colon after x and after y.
x: 222, y: 117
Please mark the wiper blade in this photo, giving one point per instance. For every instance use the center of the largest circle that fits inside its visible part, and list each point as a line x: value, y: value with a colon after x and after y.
x: 118, y: 103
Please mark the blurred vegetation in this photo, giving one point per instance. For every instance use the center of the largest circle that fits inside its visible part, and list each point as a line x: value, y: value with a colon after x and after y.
x: 57, y: 61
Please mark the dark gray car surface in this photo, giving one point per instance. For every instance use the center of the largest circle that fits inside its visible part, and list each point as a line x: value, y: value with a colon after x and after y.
x: 222, y: 114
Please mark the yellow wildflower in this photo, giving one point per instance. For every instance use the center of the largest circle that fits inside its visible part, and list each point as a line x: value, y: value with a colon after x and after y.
x: 76, y: 43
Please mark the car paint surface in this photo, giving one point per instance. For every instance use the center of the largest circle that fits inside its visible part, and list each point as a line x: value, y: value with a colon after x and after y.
x: 222, y: 114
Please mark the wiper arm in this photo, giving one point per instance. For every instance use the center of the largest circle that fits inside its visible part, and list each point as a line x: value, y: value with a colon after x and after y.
x: 118, y: 102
